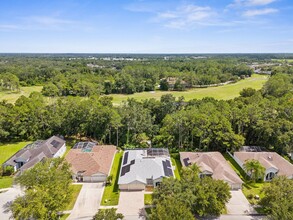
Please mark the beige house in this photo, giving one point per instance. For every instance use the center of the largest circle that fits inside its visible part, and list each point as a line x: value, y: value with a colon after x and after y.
x: 275, y: 164
x: 91, y: 162
x: 212, y: 164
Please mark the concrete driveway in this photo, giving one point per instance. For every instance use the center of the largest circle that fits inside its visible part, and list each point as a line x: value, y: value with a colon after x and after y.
x: 242, y: 217
x: 8, y: 196
x: 238, y: 204
x: 131, y: 204
x: 88, y: 201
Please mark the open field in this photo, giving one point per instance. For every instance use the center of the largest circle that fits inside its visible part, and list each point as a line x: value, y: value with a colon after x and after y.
x: 225, y: 92
x: 7, y: 150
x: 111, y: 192
x: 11, y: 97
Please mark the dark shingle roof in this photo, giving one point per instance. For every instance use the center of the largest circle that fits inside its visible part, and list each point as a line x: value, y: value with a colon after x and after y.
x: 35, y: 152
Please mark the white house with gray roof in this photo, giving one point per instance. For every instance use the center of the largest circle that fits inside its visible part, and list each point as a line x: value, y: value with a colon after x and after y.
x: 144, y: 167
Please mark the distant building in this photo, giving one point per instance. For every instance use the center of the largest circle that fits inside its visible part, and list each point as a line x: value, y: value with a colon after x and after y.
x: 91, y: 162
x: 212, y: 164
x: 144, y: 167
x: 275, y: 164
x: 33, y: 153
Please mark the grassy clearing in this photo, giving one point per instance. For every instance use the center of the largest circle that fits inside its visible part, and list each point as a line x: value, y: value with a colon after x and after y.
x: 7, y: 150
x: 11, y: 97
x: 6, y: 182
x: 178, y: 166
x: 225, y: 92
x: 75, y: 192
x: 148, y: 199
x: 111, y: 192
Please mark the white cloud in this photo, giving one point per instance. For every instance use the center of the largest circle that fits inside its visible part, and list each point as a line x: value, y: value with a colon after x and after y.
x: 247, y: 3
x: 256, y: 12
x: 41, y: 23
x: 186, y: 16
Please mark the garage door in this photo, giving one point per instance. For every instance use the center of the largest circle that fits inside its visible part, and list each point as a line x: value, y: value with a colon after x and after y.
x: 98, y: 178
x: 136, y: 186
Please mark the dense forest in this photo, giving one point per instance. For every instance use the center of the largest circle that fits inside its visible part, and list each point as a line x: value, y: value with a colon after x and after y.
x: 75, y: 76
x: 263, y: 118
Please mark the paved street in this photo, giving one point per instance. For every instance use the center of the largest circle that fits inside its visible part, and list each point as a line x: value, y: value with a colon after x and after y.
x: 88, y: 201
x: 131, y: 204
x: 239, y: 205
x: 7, y: 196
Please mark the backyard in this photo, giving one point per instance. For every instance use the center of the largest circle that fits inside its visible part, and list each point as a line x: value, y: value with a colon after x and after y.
x: 111, y: 192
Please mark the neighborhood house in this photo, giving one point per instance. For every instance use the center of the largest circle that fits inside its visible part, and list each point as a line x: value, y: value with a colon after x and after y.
x: 91, y: 162
x: 142, y: 168
x: 212, y: 164
x: 33, y: 153
x: 273, y: 163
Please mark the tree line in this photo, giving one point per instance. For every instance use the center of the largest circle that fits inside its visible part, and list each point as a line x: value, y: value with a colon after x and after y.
x: 62, y: 76
x: 263, y: 118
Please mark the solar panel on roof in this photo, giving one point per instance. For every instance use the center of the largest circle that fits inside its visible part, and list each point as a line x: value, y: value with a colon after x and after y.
x: 168, y: 163
x: 132, y: 162
x: 185, y: 161
x: 125, y: 158
x: 55, y: 143
x: 125, y: 170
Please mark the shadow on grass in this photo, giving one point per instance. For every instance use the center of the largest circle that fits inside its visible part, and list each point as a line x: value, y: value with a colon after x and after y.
x: 236, y: 167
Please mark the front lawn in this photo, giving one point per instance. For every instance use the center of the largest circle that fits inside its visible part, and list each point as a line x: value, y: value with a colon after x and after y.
x: 75, y: 192
x: 6, y: 182
x: 111, y: 192
x: 7, y: 150
x: 250, y: 190
x: 148, y: 199
x: 175, y: 158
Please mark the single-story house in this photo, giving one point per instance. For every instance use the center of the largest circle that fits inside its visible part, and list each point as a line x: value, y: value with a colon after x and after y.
x: 212, y: 164
x: 33, y: 153
x: 91, y: 162
x: 273, y: 162
x: 144, y: 167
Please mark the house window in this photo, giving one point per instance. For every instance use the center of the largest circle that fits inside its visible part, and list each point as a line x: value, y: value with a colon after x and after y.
x: 270, y: 176
x: 158, y: 184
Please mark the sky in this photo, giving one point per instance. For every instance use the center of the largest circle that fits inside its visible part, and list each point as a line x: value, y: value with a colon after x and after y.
x: 146, y: 26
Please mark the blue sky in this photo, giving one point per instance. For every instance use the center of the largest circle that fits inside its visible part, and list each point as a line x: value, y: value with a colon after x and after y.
x: 146, y: 26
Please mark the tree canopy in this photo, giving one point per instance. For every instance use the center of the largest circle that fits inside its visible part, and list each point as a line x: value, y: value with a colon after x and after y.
x: 200, y: 196
x: 47, y: 191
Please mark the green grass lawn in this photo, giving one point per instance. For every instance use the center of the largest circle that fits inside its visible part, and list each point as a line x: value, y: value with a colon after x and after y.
x: 225, y: 92
x: 250, y: 190
x: 148, y: 199
x: 7, y: 150
x: 11, y: 97
x: 75, y: 192
x: 64, y: 216
x: 6, y: 182
x: 178, y: 166
x: 111, y: 192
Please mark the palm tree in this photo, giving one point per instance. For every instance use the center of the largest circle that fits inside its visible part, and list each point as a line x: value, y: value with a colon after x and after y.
x: 254, y: 169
